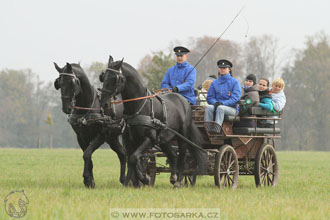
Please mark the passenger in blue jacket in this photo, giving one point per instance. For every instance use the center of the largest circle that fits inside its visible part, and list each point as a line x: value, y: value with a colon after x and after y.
x: 181, y: 78
x: 264, y: 95
x: 223, y: 95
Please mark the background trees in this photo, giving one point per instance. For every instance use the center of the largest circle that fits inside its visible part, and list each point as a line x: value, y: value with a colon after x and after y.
x: 26, y: 102
x: 153, y: 67
x: 307, y: 113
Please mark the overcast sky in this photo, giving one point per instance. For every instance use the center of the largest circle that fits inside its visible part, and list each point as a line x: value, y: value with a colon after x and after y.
x: 35, y: 33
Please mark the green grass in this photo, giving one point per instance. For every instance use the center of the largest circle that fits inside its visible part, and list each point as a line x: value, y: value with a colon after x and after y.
x: 53, y: 183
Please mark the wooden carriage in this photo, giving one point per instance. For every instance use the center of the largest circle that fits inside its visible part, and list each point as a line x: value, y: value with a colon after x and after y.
x: 232, y: 150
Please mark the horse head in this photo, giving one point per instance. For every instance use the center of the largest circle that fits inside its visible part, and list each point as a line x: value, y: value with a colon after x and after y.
x: 69, y: 85
x: 113, y: 82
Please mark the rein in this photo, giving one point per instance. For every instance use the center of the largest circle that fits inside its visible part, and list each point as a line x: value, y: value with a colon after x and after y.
x: 90, y: 108
x: 84, y: 108
x: 159, y: 91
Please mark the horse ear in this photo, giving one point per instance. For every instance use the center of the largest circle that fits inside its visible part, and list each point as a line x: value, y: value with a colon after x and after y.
x: 110, y: 61
x: 121, y: 63
x: 57, y: 68
x: 101, y: 77
x: 69, y: 67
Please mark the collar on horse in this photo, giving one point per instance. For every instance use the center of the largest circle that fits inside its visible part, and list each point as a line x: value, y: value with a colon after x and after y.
x: 147, y: 120
x: 89, y: 117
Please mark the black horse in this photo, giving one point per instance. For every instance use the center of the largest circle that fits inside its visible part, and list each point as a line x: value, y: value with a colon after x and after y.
x: 170, y: 109
x: 81, y: 101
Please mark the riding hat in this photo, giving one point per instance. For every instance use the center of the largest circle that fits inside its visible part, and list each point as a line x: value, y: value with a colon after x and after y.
x: 224, y: 64
x: 179, y: 50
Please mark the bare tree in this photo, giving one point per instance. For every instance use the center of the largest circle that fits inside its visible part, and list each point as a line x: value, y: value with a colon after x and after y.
x: 224, y: 49
x: 262, y: 57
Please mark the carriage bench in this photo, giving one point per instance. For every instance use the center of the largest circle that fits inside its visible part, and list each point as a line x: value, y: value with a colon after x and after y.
x: 248, y: 130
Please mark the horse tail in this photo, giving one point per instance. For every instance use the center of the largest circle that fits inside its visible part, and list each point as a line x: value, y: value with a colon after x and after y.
x: 199, y: 154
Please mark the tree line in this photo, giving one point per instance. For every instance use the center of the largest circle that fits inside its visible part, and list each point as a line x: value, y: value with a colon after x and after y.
x: 31, y: 114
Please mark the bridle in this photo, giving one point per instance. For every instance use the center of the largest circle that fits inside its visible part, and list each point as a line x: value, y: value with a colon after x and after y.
x: 76, y: 88
x: 120, y: 82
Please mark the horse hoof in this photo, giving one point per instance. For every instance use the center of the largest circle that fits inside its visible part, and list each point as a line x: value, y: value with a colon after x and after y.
x: 178, y: 185
x: 89, y: 183
x: 173, y: 179
x: 138, y: 184
x: 122, y: 180
x: 147, y: 180
x: 128, y: 183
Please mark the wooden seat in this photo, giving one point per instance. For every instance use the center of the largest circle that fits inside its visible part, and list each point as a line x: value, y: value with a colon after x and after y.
x: 245, y: 130
x: 258, y: 111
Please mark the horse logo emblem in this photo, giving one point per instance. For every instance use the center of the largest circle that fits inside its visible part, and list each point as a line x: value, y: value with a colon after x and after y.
x: 16, y: 204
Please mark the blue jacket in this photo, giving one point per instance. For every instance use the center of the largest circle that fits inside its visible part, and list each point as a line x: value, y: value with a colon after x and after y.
x: 175, y: 76
x: 226, y: 90
x: 266, y: 103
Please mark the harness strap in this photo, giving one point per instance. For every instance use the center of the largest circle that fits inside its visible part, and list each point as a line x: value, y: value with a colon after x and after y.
x: 164, y: 109
x: 145, y: 120
x: 127, y: 117
x: 152, y: 113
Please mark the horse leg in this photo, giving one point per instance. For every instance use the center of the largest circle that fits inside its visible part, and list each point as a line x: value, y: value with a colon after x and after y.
x: 181, y: 163
x: 129, y: 175
x: 82, y: 142
x: 83, y: 145
x: 171, y: 155
x: 134, y: 160
x: 88, y: 169
x: 131, y: 178
x: 121, y: 153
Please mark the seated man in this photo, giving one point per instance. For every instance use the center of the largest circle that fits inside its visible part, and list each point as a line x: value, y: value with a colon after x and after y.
x: 223, y: 95
x: 181, y: 78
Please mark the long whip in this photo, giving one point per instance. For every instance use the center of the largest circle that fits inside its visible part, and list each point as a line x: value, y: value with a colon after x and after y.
x: 208, y: 50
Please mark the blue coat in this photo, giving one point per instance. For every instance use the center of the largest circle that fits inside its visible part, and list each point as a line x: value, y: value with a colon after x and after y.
x: 226, y: 90
x: 175, y: 76
x: 266, y: 103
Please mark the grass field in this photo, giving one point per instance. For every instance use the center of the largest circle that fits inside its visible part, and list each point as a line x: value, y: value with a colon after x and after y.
x: 52, y: 181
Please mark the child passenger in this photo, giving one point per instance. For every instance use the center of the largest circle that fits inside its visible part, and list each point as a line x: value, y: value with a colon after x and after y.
x: 278, y: 96
x: 203, y: 92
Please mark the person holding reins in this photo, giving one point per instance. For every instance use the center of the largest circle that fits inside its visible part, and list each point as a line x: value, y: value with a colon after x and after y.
x: 181, y: 77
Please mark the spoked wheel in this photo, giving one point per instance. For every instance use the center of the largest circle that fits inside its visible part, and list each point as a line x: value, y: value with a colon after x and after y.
x: 190, y: 180
x: 226, y: 168
x: 150, y: 168
x: 266, y: 167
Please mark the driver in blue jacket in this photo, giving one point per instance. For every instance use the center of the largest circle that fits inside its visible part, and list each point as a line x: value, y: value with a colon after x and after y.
x: 223, y: 95
x: 181, y: 78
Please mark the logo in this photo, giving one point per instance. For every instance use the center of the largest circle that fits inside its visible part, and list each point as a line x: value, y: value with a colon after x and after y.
x: 16, y: 204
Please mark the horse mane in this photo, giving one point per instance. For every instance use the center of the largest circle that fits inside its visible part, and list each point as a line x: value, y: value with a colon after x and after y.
x: 80, y: 73
x: 129, y: 72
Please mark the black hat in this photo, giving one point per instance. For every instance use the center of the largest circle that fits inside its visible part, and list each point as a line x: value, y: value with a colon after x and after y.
x: 252, y: 77
x: 224, y: 64
x: 179, y: 50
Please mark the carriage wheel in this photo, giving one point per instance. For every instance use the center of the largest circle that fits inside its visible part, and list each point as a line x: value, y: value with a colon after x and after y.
x: 190, y: 179
x: 266, y: 167
x: 226, y: 167
x: 151, y: 169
